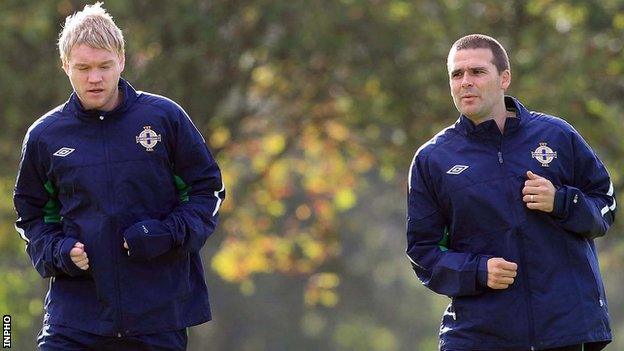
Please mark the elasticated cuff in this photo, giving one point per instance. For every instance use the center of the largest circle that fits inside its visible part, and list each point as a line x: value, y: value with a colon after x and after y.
x: 482, y: 274
x: 67, y: 265
x: 148, y: 239
x: 559, y: 205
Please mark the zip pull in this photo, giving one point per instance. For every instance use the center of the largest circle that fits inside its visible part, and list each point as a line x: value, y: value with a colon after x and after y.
x: 500, y: 157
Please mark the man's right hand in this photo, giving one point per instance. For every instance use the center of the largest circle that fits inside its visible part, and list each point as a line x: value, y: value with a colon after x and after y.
x: 501, y: 273
x: 79, y: 256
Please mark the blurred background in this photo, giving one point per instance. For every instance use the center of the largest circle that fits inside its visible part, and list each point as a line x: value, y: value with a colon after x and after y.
x: 314, y: 110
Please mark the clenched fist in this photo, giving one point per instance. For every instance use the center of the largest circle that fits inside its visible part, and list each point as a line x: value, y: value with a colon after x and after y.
x: 501, y: 273
x: 79, y: 256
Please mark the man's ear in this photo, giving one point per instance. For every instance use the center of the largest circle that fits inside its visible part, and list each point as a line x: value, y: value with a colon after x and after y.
x: 122, y: 63
x: 65, y: 66
x: 505, y: 79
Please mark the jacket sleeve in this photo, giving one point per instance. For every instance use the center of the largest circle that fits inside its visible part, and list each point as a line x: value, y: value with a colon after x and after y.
x: 198, y: 180
x: 38, y: 217
x: 438, y: 267
x: 588, y: 206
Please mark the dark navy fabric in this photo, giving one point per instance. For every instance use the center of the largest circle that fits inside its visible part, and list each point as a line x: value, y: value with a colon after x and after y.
x: 141, y: 172
x: 579, y: 347
x: 465, y: 206
x: 60, y: 338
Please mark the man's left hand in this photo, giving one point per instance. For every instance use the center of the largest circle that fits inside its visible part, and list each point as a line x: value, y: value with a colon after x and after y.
x: 539, y: 193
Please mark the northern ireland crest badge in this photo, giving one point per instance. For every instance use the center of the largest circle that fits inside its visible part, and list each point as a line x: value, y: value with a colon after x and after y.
x: 148, y: 138
x: 544, y: 154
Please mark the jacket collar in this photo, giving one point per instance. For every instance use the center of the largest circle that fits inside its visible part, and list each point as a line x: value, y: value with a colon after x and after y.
x: 130, y: 95
x: 489, y: 129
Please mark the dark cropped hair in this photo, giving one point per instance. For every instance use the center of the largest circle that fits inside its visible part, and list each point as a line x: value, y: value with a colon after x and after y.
x: 481, y: 41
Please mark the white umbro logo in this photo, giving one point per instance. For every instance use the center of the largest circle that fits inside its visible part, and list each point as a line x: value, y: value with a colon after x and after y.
x: 457, y: 169
x: 64, y: 151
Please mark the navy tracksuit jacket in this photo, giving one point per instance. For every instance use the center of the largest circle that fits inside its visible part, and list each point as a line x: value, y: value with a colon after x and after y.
x: 141, y: 172
x: 465, y: 206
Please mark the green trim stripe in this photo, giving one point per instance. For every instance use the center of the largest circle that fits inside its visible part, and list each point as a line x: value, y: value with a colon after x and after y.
x: 52, y: 208
x: 183, y: 189
x: 443, y: 243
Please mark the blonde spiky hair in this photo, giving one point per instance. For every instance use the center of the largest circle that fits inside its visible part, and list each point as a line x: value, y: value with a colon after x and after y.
x: 92, y: 26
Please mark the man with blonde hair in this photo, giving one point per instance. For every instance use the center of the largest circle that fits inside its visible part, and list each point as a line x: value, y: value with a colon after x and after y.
x: 116, y: 194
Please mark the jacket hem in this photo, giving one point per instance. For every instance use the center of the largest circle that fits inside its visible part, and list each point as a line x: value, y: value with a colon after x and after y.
x: 541, y: 344
x: 108, y: 328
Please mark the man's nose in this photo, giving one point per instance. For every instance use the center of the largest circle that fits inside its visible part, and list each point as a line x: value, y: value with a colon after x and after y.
x: 94, y: 76
x: 466, y: 81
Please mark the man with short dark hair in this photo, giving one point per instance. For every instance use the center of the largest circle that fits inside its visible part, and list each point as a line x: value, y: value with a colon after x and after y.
x: 116, y: 194
x: 503, y: 207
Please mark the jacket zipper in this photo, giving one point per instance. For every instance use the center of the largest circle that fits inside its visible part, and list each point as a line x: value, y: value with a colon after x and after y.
x: 114, y: 243
x: 526, y: 286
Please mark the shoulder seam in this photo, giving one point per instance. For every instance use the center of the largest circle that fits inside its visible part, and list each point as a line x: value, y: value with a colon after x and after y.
x: 56, y: 112
x: 425, y: 157
x: 544, y: 119
x: 156, y: 105
x: 435, y: 146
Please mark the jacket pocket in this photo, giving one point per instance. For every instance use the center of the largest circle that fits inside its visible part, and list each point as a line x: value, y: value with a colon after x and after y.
x: 73, y: 299
x: 494, y: 317
x: 592, y: 261
x: 149, y: 285
x: 94, y: 248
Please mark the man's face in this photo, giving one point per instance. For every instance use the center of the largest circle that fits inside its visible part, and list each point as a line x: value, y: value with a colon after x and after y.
x: 476, y: 86
x: 94, y: 74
